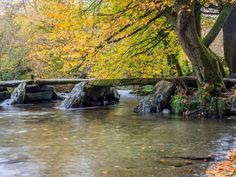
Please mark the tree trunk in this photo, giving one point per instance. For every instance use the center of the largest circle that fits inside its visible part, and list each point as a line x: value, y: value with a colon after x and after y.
x: 198, y: 17
x: 229, y: 32
x: 204, y: 63
x: 218, y: 25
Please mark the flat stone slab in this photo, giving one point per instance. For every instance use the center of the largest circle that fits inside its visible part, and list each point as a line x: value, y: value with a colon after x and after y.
x: 189, y: 80
x: 100, y: 82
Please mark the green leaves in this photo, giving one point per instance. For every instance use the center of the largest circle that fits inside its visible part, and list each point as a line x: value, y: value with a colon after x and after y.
x: 179, y: 103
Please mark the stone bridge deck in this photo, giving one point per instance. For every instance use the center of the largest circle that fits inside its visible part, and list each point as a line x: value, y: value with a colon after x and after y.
x: 188, y: 80
x: 98, y: 82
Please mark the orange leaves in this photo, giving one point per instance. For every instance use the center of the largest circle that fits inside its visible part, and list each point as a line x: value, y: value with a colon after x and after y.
x: 104, y: 173
x: 224, y: 169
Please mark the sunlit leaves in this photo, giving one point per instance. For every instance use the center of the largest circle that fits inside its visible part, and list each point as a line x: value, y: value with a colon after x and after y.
x: 62, y: 36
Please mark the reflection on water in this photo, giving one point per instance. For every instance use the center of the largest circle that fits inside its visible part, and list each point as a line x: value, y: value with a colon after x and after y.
x: 113, y: 141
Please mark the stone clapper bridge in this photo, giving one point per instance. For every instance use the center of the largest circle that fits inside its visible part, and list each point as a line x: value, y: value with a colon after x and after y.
x: 87, y: 92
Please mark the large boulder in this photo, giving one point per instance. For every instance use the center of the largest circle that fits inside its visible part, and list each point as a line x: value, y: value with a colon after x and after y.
x: 36, y: 93
x: 4, y: 95
x: 233, y: 106
x: 158, y: 100
x: 85, y: 95
x: 75, y: 98
x: 18, y: 95
x: 30, y: 93
x: 112, y: 96
x: 99, y: 96
x: 38, y: 96
x: 38, y: 88
x: 2, y: 88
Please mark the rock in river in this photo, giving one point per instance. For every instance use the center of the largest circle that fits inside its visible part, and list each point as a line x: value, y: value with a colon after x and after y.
x: 233, y: 106
x: 159, y: 100
x: 75, y: 98
x: 30, y: 93
x: 4, y: 95
x: 85, y: 95
x: 17, y: 96
x: 36, y: 93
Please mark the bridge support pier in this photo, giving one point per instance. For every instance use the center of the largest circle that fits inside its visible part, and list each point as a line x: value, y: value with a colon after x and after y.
x: 30, y: 93
x: 82, y: 95
x: 86, y: 95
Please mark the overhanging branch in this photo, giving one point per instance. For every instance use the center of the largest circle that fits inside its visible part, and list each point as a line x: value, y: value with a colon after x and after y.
x: 111, y: 38
x: 224, y: 14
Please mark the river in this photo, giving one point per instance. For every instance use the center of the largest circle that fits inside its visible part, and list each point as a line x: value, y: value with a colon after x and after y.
x: 43, y: 141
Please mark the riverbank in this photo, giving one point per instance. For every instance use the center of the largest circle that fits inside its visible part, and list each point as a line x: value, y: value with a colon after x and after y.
x: 225, y: 168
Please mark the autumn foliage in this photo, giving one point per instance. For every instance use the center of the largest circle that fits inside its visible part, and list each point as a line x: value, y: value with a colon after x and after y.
x: 226, y: 168
x: 112, y: 39
x: 106, y: 38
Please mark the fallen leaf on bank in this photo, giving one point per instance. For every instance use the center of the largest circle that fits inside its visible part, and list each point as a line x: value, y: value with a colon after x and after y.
x: 104, y: 172
x: 224, y: 169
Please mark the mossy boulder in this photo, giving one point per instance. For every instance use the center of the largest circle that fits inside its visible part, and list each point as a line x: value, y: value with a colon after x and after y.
x: 4, y: 95
x: 158, y: 100
x: 233, y: 105
x: 86, y: 95
x: 18, y: 95
x: 36, y: 93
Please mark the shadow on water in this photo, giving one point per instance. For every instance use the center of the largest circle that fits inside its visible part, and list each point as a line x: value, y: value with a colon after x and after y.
x: 42, y: 140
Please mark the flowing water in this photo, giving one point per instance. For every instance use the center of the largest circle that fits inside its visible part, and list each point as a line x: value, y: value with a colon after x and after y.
x: 41, y: 140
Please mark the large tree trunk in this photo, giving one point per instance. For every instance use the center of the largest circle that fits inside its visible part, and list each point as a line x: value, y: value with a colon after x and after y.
x: 204, y: 62
x: 197, y: 11
x: 229, y: 32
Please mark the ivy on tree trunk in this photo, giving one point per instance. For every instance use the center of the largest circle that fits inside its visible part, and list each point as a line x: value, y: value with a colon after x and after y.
x: 205, y: 62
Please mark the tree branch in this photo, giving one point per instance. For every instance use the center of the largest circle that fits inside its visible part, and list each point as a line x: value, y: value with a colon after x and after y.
x: 135, y: 31
x: 224, y: 14
x: 171, y: 17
